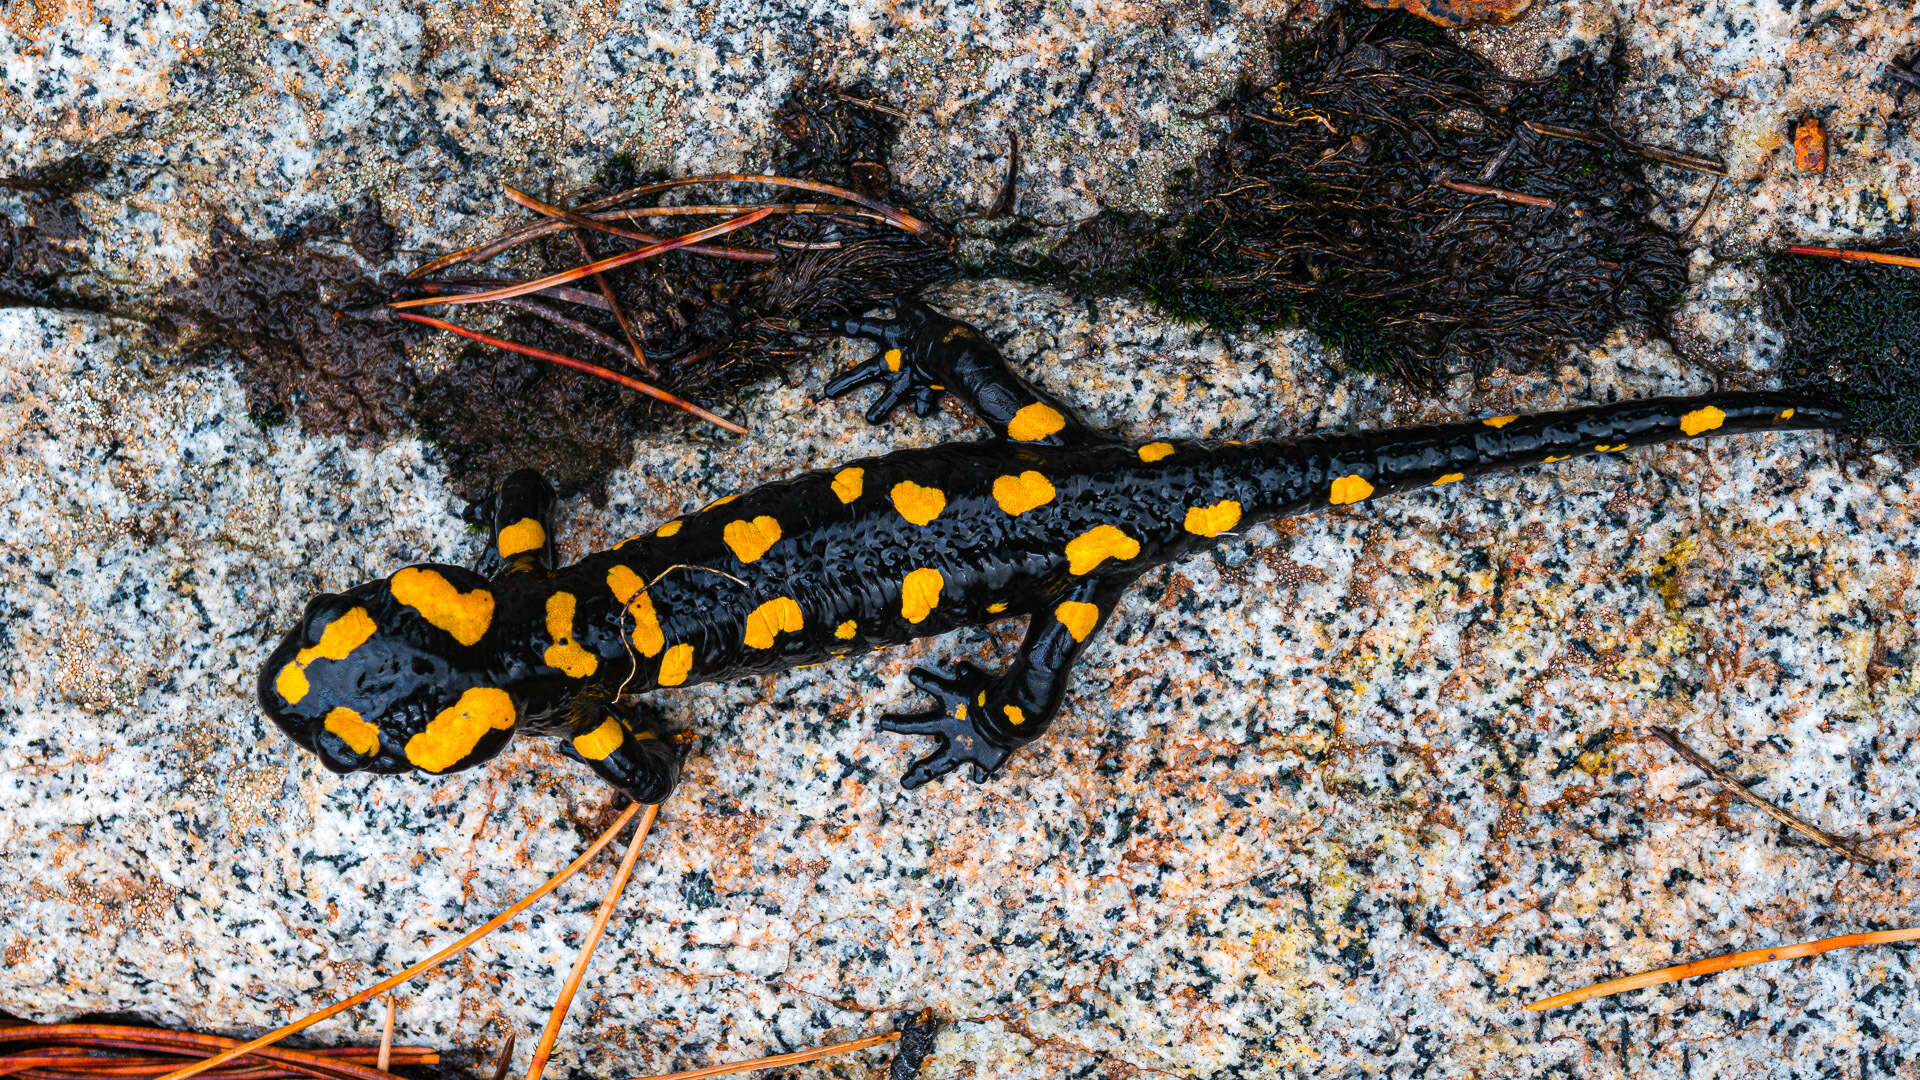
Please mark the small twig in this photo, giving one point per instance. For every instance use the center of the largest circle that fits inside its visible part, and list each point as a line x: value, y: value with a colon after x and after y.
x: 563, y: 360
x: 1880, y: 257
x: 606, y: 287
x: 1677, y: 158
x: 506, y: 1058
x: 465, y: 942
x: 559, y: 1015
x: 1740, y: 791
x: 386, y: 1038
x: 1725, y: 963
x: 1502, y: 194
x: 777, y: 1060
x: 474, y: 285
x: 578, y: 272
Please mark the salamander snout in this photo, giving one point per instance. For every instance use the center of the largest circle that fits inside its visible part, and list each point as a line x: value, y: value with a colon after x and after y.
x: 394, y: 675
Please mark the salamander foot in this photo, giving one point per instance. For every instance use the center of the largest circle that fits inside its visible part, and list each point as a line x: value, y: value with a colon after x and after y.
x: 963, y: 737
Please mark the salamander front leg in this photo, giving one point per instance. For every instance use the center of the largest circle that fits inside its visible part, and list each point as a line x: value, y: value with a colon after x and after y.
x: 623, y: 749
x: 983, y: 718
x: 519, y: 521
x: 925, y: 355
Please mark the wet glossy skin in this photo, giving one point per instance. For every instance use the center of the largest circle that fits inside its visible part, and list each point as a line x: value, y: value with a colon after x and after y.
x: 436, y: 668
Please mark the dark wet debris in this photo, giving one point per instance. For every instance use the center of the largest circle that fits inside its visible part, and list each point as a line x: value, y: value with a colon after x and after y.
x: 1369, y: 195
x: 1853, y: 330
x: 44, y: 238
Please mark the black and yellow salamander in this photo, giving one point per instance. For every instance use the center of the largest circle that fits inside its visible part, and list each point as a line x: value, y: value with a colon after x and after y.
x: 436, y: 667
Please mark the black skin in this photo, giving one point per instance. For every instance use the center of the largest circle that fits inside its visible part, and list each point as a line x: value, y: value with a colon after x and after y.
x: 817, y: 567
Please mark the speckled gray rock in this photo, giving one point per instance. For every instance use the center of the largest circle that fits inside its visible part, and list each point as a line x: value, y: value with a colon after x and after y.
x: 1336, y: 800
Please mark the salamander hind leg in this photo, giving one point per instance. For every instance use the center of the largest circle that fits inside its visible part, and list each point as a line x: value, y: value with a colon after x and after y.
x: 622, y: 747
x: 981, y: 718
x: 925, y: 355
x: 518, y: 517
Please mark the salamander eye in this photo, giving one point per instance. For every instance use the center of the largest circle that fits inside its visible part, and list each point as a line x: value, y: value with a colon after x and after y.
x: 322, y: 610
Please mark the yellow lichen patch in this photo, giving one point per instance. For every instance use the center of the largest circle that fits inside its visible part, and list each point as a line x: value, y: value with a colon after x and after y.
x: 671, y: 528
x: 465, y: 615
x: 595, y: 745
x: 1350, y: 488
x: 751, y: 539
x: 1499, y: 421
x: 1212, y: 520
x: 521, y: 537
x: 780, y: 615
x: 1702, y: 420
x: 1786, y: 414
x: 1035, y: 422
x: 1450, y: 478
x: 1097, y: 545
x: 917, y: 504
x: 849, y: 483
x: 996, y: 607
x: 361, y: 737
x: 1606, y: 448
x: 676, y: 664
x: 1154, y: 451
x: 1078, y: 616
x: 453, y: 734
x: 343, y: 635
x: 1019, y: 494
x: 920, y: 593
x: 1551, y: 458
x: 1015, y: 714
x: 566, y: 653
x: 893, y: 358
x: 846, y: 630
x: 627, y: 588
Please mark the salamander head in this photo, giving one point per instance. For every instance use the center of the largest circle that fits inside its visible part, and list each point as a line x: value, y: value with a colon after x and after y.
x: 394, y: 675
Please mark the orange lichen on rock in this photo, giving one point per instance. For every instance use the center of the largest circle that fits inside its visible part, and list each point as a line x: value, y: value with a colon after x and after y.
x: 1810, y: 145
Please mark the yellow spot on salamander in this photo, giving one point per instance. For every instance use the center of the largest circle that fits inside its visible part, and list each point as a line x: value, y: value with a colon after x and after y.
x: 1097, y: 545
x: 453, y: 734
x: 893, y: 358
x: 675, y: 666
x: 595, y: 745
x: 1450, y: 478
x: 1035, y: 422
x: 849, y: 483
x: 1015, y: 715
x: 996, y: 607
x: 781, y: 615
x: 1499, y: 421
x: 361, y: 737
x: 1078, y: 616
x: 846, y: 630
x: 1349, y: 489
x: 565, y: 653
x: 721, y: 501
x: 960, y: 711
x: 1019, y: 494
x: 521, y: 537
x: 1606, y: 449
x: 1551, y: 458
x: 343, y: 635
x: 1786, y: 414
x: 1213, y: 520
x: 1154, y: 451
x: 920, y: 593
x: 917, y: 504
x: 671, y: 528
x: 465, y: 615
x: 627, y: 588
x: 1702, y: 420
x: 751, y: 539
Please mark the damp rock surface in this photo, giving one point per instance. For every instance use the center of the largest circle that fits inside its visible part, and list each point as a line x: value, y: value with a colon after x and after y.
x: 1335, y: 799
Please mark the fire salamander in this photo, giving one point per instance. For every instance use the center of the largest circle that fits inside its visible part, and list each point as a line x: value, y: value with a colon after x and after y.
x: 436, y: 667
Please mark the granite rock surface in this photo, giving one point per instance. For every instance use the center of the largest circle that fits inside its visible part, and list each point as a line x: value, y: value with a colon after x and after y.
x: 1336, y: 799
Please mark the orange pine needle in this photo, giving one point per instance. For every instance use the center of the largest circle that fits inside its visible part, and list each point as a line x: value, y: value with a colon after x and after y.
x: 559, y: 1015
x: 1727, y: 962
x: 431, y: 962
x: 578, y: 365
x: 609, y: 263
x: 777, y: 1060
x: 1855, y: 256
x: 386, y: 1038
